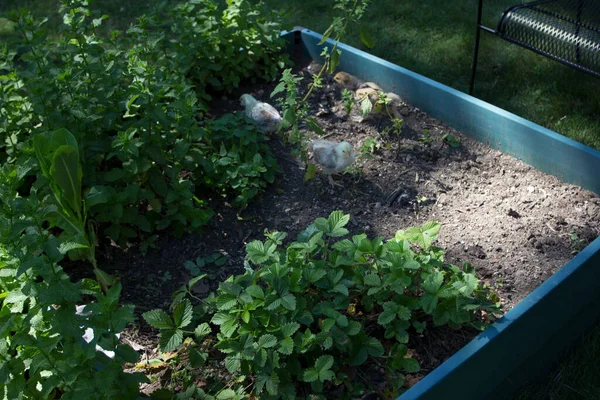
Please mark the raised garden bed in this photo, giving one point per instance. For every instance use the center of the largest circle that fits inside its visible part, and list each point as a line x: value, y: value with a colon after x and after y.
x: 517, y: 225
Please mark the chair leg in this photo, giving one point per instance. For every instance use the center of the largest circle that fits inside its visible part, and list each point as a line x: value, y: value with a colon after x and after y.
x: 475, y: 56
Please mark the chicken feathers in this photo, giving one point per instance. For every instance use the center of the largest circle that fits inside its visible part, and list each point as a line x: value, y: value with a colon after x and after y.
x: 265, y: 115
x: 333, y: 157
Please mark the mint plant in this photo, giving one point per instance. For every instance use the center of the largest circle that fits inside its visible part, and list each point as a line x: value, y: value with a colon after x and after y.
x: 41, y: 347
x: 304, y: 315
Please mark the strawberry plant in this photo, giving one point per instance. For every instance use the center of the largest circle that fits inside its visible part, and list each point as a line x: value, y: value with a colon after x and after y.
x: 305, y: 316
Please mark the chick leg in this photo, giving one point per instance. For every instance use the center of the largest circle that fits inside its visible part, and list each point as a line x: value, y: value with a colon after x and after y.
x: 332, y: 182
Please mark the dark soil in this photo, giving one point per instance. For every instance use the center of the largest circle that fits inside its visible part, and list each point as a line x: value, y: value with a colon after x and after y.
x: 516, y: 225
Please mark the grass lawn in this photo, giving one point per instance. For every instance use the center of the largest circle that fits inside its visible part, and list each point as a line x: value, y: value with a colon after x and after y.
x: 577, y: 377
x: 435, y: 38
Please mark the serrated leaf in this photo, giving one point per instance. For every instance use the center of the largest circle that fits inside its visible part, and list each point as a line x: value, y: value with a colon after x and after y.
x: 340, y: 288
x: 372, y: 280
x: 267, y: 341
x: 202, y: 331
x: 366, y: 106
x: 327, y: 324
x: 159, y: 319
x: 310, y: 375
x: 233, y: 363
x: 170, y: 340
x: 403, y: 313
x: 182, y: 314
x: 323, y: 363
x: 289, y: 302
x: 226, y: 302
x: 428, y: 302
x: 353, y: 328
x: 374, y: 347
x: 344, y: 245
x: 289, y: 329
x: 386, y: 317
x: 433, y: 282
x: 256, y: 291
x: 410, y: 365
x: 286, y: 346
x: 336, y: 221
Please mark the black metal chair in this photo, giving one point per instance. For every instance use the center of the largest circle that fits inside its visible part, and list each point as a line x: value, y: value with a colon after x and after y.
x: 567, y: 31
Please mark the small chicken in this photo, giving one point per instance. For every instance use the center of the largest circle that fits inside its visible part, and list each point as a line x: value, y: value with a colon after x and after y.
x: 333, y: 157
x: 352, y: 82
x: 264, y: 114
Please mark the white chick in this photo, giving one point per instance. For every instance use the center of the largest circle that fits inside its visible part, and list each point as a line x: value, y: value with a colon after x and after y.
x: 264, y: 114
x: 333, y: 157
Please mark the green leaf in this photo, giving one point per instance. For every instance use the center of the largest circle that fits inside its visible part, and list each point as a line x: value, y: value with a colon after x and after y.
x: 365, y: 106
x: 289, y: 329
x: 159, y: 319
x: 326, y: 35
x: 66, y: 172
x: 429, y: 302
x: 345, y: 246
x: 202, y: 331
x: 327, y: 324
x: 310, y: 375
x: 353, y: 328
x: 310, y: 173
x: 372, y: 279
x: 286, y: 346
x: 366, y: 37
x: 97, y: 195
x: 433, y: 282
x: 334, y: 60
x: 340, y: 288
x: 373, y: 347
x: 182, y: 315
x: 386, y: 317
x: 410, y: 365
x: 256, y: 291
x: 170, y: 340
x: 403, y: 313
x: 314, y: 126
x: 267, y: 341
x: 289, y: 302
x: 337, y: 220
x: 233, y: 363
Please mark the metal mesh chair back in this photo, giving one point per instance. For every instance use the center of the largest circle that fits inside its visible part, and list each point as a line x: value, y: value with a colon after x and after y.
x: 566, y: 30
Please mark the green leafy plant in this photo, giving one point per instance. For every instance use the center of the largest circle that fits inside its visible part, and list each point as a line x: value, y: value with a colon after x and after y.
x: 58, y: 156
x: 451, y: 140
x: 195, y: 267
x: 348, y: 100
x: 134, y: 105
x: 315, y: 310
x: 295, y: 107
x: 41, y: 347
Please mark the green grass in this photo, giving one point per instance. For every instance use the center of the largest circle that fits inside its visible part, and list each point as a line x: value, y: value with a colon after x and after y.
x: 577, y: 376
x: 435, y: 38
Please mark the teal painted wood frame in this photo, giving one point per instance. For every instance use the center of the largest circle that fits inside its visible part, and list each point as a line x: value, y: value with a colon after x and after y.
x: 526, y: 341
